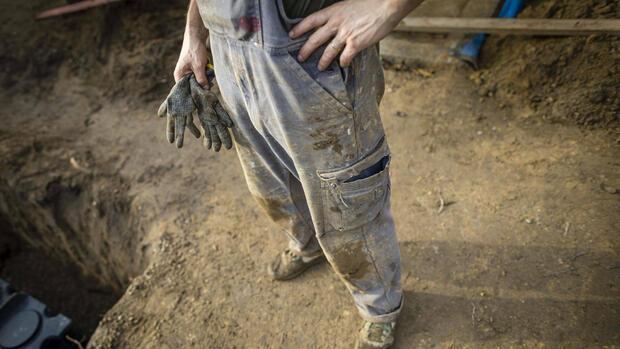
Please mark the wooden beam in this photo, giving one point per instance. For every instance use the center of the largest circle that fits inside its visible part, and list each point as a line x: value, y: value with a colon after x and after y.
x: 519, y: 26
x: 78, y: 6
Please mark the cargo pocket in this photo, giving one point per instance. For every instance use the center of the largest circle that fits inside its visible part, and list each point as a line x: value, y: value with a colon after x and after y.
x: 356, y: 195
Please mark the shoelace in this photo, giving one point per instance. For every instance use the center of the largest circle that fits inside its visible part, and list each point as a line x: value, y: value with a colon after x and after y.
x: 378, y: 332
x: 294, y: 256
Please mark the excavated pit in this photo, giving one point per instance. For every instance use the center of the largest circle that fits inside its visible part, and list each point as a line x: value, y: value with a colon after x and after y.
x: 69, y: 234
x: 68, y: 248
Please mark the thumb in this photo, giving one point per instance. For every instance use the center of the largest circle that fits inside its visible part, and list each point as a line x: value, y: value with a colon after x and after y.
x: 201, y: 77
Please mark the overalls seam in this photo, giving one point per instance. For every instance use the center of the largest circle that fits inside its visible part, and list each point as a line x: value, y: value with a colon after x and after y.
x: 299, y: 215
x: 374, y: 262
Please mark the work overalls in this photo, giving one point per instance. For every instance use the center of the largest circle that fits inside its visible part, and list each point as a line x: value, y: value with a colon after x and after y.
x: 312, y: 146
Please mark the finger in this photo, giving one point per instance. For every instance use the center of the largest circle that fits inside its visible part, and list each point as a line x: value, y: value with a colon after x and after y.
x: 180, y: 73
x: 316, y: 19
x: 180, y: 130
x: 223, y: 115
x: 201, y: 77
x: 170, y: 129
x: 331, y: 51
x: 163, y: 108
x: 348, y: 54
x: 224, y: 135
x: 217, y: 142
x: 192, y: 127
x: 316, y: 40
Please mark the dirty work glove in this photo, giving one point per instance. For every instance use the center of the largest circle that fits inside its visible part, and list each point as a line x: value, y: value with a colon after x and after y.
x: 179, y: 107
x: 214, y: 119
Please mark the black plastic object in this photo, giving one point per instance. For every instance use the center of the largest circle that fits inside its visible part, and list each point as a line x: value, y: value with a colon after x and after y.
x: 26, y: 323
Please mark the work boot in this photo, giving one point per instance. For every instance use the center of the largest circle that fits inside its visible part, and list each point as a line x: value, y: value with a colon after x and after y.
x: 375, y: 335
x: 288, y: 265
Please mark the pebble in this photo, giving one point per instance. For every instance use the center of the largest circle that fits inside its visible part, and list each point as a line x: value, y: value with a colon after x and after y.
x: 609, y: 188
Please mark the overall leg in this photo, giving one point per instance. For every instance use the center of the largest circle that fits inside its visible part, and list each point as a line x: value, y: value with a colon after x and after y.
x: 269, y: 180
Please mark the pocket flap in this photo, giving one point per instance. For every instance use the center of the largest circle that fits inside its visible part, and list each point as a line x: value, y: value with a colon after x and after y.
x: 343, y: 174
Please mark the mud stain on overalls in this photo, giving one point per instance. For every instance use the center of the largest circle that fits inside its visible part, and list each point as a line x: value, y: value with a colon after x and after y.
x: 335, y: 209
x: 273, y: 208
x: 351, y: 261
x: 331, y: 141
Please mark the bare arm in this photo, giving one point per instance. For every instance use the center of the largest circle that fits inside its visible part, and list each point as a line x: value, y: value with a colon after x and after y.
x: 193, y: 57
x: 352, y: 26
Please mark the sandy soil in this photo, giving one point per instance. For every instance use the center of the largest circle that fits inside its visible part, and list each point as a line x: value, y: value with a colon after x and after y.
x: 523, y: 254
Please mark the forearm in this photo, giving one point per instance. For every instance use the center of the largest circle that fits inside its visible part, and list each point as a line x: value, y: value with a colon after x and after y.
x: 195, y: 27
x: 193, y: 57
x: 401, y: 8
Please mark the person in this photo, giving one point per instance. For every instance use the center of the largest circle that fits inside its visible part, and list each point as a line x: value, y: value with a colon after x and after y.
x: 302, y: 82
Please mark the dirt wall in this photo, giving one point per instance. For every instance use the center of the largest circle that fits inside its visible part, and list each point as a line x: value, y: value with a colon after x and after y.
x: 570, y: 79
x: 132, y: 41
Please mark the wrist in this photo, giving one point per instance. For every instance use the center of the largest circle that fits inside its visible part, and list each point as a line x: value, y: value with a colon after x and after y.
x: 399, y: 9
x: 196, y: 32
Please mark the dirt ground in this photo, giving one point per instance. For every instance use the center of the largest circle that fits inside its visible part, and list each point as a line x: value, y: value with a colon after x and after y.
x: 524, y: 253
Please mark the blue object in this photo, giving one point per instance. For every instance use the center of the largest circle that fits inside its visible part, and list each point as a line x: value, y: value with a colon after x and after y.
x: 470, y: 52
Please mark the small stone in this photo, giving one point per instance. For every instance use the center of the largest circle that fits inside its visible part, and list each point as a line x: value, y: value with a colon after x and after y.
x: 475, y: 78
x: 609, y: 188
x: 401, y: 114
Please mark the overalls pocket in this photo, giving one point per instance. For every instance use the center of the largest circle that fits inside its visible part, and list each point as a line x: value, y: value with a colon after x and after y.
x: 328, y: 85
x: 353, y: 196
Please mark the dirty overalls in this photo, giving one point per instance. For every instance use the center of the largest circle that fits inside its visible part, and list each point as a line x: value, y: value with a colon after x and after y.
x: 311, y: 145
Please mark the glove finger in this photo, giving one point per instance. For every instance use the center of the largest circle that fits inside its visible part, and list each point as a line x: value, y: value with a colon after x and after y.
x: 163, y: 108
x: 224, y: 135
x: 192, y: 127
x: 180, y: 130
x: 217, y: 142
x: 207, y: 141
x: 170, y: 129
x: 224, y: 117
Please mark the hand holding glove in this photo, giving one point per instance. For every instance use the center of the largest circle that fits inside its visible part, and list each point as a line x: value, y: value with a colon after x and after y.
x: 185, y: 97
x: 179, y: 107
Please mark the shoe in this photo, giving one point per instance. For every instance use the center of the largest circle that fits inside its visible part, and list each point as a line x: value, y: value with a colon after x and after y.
x: 288, y: 265
x: 375, y: 335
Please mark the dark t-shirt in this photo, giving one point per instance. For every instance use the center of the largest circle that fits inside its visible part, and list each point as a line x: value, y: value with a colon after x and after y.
x: 303, y: 8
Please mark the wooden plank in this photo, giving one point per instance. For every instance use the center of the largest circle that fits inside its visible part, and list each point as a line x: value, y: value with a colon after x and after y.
x: 519, y: 26
x: 78, y: 6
